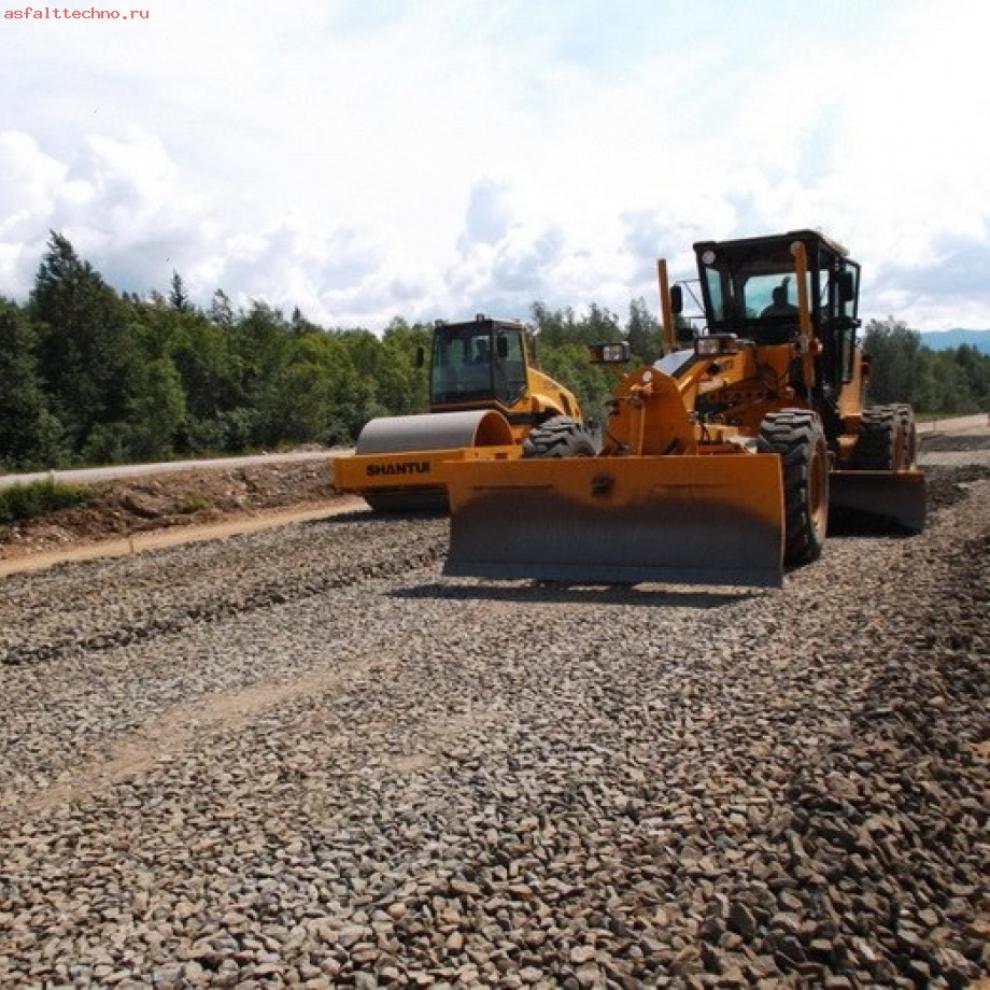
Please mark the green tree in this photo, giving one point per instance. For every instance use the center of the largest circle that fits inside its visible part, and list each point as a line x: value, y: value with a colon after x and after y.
x: 976, y: 367
x: 902, y: 370
x: 177, y: 295
x: 643, y: 333
x: 894, y: 352
x: 85, y: 355
x: 221, y: 312
x: 261, y: 345
x: 155, y: 411
x: 30, y: 436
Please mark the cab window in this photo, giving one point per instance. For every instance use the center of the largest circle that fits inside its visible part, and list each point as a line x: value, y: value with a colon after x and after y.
x: 509, y: 369
x: 461, y: 370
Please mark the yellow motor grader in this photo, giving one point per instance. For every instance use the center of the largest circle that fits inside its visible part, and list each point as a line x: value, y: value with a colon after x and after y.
x: 721, y: 461
x: 486, y: 401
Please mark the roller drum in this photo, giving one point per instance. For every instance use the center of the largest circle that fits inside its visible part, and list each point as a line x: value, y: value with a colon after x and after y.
x: 428, y: 431
x: 434, y: 431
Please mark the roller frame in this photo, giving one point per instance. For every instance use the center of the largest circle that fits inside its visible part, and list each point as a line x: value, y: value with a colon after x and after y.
x: 404, y: 459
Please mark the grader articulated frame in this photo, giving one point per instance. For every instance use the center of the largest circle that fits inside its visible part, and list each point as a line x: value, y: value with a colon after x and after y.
x: 721, y: 461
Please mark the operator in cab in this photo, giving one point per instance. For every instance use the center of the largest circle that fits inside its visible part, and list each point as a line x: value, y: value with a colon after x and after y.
x: 780, y: 306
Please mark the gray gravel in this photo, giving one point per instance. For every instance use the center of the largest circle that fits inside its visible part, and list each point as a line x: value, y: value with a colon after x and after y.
x: 302, y: 757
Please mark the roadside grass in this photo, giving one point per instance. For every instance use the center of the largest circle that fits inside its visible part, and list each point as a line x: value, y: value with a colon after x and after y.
x: 38, y: 498
x: 191, y: 502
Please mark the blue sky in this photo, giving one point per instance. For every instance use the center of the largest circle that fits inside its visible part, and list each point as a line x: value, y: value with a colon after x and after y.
x: 439, y: 158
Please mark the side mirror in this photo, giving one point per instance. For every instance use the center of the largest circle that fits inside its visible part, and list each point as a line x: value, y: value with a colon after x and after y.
x: 502, y: 346
x: 420, y: 357
x: 847, y: 286
x: 676, y: 300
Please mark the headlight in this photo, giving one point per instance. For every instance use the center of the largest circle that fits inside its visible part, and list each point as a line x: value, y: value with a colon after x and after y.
x: 715, y: 344
x: 609, y: 353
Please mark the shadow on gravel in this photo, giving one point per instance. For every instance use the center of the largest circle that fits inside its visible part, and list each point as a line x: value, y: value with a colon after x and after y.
x: 859, y: 524
x: 578, y: 595
x: 370, y: 516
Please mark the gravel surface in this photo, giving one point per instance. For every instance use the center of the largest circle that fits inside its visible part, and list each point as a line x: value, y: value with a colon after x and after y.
x: 954, y: 441
x: 302, y: 757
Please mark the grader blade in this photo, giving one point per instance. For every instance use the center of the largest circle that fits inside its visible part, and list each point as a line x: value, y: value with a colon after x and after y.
x: 878, y: 500
x: 715, y: 519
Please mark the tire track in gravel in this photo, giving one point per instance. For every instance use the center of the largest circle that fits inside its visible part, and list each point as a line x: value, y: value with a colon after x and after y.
x: 168, y: 729
x: 177, y: 729
x: 218, y: 610
x: 183, y: 726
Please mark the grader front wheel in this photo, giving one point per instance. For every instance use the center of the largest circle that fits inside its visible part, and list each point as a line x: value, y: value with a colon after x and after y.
x: 559, y: 436
x: 797, y: 436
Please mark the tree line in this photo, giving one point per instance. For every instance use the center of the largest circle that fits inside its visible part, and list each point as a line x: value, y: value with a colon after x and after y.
x: 92, y: 376
x: 955, y: 381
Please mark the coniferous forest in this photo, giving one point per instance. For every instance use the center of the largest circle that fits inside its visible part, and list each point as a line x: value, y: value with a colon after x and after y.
x: 89, y: 375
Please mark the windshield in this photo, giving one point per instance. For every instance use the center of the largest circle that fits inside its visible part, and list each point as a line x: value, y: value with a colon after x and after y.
x: 462, y: 365
x: 755, y: 290
x: 469, y: 366
x: 739, y: 294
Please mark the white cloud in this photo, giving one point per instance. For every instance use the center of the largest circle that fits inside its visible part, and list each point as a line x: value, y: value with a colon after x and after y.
x: 366, y: 159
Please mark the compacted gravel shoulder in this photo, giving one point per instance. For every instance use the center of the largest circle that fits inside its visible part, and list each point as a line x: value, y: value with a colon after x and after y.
x: 303, y: 757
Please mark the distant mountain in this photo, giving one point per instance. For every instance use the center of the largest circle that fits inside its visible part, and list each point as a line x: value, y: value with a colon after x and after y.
x: 941, y: 340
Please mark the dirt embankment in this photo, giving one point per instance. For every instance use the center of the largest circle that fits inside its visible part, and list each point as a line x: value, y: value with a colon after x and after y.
x: 186, y: 498
x: 197, y: 498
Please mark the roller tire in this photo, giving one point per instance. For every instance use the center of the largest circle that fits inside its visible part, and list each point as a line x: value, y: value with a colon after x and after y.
x: 797, y: 436
x: 559, y: 436
x: 882, y: 440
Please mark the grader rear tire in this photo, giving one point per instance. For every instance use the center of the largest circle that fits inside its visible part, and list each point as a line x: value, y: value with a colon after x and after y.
x: 910, y: 429
x: 797, y: 436
x: 559, y: 436
x: 882, y: 444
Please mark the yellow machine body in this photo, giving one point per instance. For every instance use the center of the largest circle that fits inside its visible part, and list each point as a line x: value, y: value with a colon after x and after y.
x: 485, y: 398
x: 719, y: 463
x: 403, y: 472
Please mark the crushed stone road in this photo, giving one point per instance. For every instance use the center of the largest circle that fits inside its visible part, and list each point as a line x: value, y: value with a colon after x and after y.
x: 302, y: 757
